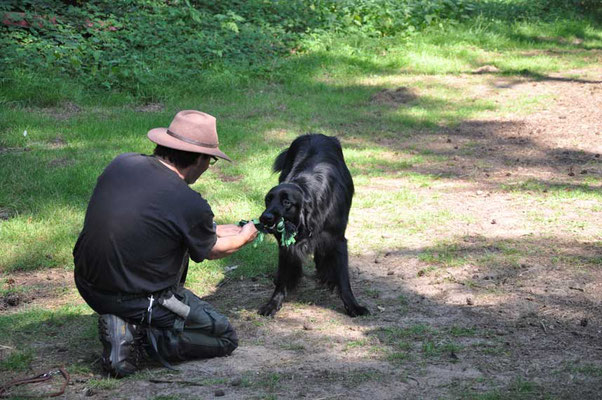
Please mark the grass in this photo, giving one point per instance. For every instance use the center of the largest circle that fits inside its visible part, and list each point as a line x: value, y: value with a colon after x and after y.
x: 17, y: 361
x: 422, y: 342
x: 259, y: 123
x: 104, y: 384
x: 519, y: 388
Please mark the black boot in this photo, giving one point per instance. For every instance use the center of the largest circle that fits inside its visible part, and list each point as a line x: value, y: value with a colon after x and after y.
x: 121, y: 347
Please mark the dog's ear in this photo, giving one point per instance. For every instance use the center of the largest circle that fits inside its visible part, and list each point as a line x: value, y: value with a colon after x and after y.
x: 280, y: 162
x: 306, y: 215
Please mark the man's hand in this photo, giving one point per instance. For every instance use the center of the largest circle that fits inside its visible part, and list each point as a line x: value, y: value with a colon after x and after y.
x: 250, y: 231
x: 227, y: 245
x: 227, y: 230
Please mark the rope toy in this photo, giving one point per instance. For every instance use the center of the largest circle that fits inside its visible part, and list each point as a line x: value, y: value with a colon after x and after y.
x: 287, y: 237
x: 259, y: 226
x: 287, y: 232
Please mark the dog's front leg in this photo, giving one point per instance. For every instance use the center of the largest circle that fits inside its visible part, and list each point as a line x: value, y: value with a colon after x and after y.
x: 288, y: 276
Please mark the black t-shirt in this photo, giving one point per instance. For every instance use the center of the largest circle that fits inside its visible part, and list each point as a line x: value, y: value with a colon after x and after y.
x: 141, y: 223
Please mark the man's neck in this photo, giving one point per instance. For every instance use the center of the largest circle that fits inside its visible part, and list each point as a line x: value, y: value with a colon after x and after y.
x: 171, y: 166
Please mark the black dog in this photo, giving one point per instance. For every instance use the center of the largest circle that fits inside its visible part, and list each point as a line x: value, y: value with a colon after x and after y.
x: 314, y: 198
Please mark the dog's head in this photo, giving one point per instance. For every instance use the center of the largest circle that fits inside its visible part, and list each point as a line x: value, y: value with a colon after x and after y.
x: 283, y: 201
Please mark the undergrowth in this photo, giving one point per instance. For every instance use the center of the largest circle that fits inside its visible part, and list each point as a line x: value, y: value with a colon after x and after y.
x: 153, y: 49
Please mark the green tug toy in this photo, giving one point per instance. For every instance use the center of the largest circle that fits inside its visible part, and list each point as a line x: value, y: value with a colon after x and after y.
x: 287, y: 237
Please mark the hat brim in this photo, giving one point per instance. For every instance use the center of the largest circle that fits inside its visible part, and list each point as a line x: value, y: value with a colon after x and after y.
x: 160, y: 136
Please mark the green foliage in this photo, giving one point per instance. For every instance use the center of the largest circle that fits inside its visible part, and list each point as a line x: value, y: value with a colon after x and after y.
x: 153, y: 49
x: 146, y: 47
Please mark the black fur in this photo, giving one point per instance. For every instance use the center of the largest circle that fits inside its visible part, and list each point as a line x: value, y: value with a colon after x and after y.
x: 314, y: 197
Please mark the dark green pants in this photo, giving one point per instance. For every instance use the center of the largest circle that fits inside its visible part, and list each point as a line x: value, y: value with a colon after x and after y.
x: 205, y: 332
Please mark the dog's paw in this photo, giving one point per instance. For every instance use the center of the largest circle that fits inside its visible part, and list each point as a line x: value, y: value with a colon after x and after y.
x: 357, y: 311
x: 269, y: 309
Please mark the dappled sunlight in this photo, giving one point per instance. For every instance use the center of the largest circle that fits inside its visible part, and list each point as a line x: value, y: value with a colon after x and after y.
x: 474, y: 235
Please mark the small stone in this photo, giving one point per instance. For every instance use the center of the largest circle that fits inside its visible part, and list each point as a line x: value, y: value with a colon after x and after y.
x: 508, y: 174
x: 308, y: 326
x: 583, y: 322
x: 583, y: 171
x: 219, y: 393
x: 469, y: 301
x: 493, y: 222
x: 89, y: 392
x: 236, y: 382
x: 380, y: 308
x: 486, y: 69
x: 12, y: 299
x: 391, y: 273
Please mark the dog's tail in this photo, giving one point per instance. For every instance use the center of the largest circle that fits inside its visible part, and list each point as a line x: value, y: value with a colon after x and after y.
x: 280, y: 161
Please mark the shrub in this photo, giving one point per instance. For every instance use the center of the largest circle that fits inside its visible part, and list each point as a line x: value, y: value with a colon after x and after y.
x: 145, y: 47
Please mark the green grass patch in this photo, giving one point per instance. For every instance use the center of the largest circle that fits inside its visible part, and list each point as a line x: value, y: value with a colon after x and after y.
x: 437, y: 349
x: 557, y: 191
x: 17, y: 360
x: 520, y: 388
x: 445, y: 254
x: 420, y: 341
x: 104, y: 384
x: 591, y: 370
x: 75, y: 324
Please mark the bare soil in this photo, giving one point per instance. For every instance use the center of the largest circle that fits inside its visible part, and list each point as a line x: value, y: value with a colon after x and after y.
x: 506, y: 305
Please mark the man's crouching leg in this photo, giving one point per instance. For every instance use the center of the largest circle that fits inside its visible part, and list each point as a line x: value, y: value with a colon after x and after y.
x: 120, y: 341
x: 204, y: 334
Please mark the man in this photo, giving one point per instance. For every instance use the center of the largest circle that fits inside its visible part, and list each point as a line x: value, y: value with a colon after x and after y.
x: 142, y: 225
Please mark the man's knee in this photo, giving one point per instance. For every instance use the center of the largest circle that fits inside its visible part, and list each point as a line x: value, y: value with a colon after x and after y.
x: 230, y: 339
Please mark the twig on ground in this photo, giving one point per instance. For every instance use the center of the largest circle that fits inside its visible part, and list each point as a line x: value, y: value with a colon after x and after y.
x: 179, y: 382
x: 543, y: 327
x: 224, y: 282
x: 332, y: 396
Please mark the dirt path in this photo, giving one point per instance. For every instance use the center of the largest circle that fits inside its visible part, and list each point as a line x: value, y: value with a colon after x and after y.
x: 500, y: 299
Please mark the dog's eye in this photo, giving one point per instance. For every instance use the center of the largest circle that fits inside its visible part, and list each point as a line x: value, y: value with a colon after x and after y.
x: 286, y: 203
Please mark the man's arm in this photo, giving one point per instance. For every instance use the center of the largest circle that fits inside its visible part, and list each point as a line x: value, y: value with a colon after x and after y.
x: 227, y: 230
x: 227, y: 245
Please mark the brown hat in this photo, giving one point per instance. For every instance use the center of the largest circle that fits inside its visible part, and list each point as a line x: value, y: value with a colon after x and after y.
x: 192, y: 131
